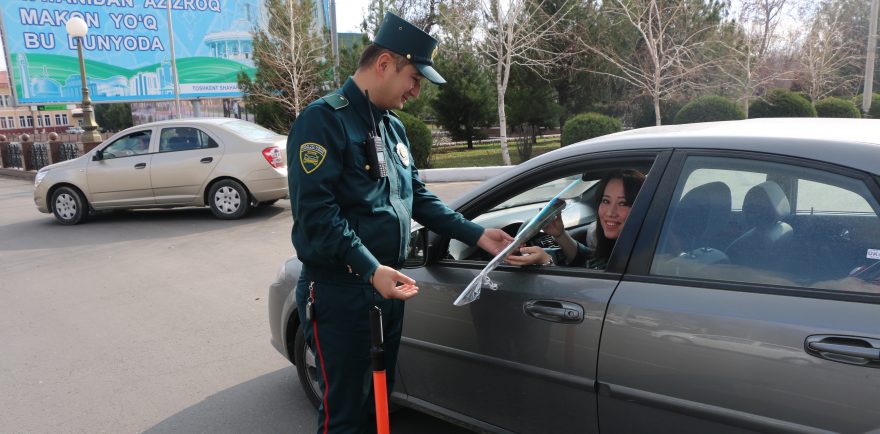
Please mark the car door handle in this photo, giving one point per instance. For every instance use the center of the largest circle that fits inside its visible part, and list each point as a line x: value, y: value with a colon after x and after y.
x: 845, y: 349
x: 207, y: 160
x: 554, y: 311
x: 140, y: 165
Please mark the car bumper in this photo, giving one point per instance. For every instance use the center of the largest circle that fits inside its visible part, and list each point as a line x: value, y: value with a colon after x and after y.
x: 268, y: 184
x: 282, y: 305
x: 40, y: 198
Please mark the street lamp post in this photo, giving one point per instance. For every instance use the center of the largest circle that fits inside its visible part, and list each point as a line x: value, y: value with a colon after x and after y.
x: 78, y: 28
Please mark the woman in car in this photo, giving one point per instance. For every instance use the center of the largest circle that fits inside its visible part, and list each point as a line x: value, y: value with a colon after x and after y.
x: 619, y: 190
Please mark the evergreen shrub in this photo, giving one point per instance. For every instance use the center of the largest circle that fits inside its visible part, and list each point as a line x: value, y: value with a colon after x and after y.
x: 709, y: 108
x: 836, y: 108
x: 781, y: 103
x: 587, y: 126
x: 420, y: 141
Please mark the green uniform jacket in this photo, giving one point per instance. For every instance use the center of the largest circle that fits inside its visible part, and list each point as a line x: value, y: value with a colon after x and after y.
x: 343, y: 218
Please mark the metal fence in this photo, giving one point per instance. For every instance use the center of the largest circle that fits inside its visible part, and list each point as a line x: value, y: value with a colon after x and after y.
x: 39, y: 156
x: 68, y: 151
x: 13, y: 156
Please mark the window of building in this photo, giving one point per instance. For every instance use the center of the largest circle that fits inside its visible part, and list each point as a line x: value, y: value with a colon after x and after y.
x: 47, y: 120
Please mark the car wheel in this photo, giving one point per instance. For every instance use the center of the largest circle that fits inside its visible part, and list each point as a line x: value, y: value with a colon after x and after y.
x: 229, y: 200
x: 306, y: 368
x: 69, y: 206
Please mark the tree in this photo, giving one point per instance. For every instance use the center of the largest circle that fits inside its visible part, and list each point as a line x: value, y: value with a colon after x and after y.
x: 289, y: 59
x: 531, y: 104
x: 113, y: 117
x: 514, y: 32
x: 669, y: 43
x: 465, y: 102
x: 830, y: 62
x: 753, y: 43
x: 423, y: 14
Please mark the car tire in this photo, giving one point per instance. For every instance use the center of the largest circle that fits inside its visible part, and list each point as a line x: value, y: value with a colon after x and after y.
x: 306, y: 368
x: 69, y: 206
x: 229, y: 200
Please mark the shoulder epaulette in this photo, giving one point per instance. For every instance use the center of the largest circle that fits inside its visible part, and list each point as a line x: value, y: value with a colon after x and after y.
x: 335, y: 100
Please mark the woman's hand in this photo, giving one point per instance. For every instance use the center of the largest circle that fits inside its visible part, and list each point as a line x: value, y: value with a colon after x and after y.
x: 530, y: 256
x: 555, y: 227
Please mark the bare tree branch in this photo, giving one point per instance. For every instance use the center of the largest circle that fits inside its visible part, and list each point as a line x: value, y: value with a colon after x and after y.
x: 513, y: 33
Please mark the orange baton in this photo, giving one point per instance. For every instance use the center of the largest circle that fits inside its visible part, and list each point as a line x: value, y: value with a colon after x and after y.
x: 380, y: 385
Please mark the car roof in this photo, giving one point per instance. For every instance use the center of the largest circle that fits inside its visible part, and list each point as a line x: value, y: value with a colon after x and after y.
x: 193, y: 121
x: 852, y: 143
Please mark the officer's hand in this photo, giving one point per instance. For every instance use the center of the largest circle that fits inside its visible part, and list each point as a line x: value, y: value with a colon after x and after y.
x: 494, y: 240
x: 385, y: 281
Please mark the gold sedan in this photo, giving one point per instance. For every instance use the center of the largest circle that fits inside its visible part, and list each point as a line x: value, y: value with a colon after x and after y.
x: 227, y: 164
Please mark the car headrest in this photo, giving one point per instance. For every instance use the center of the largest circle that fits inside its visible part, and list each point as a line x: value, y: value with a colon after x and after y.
x: 765, y: 204
x: 698, y: 208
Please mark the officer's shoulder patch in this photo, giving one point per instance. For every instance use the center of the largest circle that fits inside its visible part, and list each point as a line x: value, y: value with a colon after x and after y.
x: 311, y: 155
x: 335, y: 100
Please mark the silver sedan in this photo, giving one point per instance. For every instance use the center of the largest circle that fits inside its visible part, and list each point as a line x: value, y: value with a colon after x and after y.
x: 229, y: 165
x: 741, y: 294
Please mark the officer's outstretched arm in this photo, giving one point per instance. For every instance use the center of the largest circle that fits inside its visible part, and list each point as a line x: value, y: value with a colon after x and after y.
x: 386, y: 280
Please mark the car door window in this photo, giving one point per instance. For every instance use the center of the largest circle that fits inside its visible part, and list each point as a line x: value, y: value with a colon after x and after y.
x: 580, y: 218
x: 136, y: 143
x: 763, y: 222
x: 184, y: 139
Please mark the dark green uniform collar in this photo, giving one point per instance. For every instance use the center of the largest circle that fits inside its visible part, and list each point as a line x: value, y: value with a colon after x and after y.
x: 359, y: 102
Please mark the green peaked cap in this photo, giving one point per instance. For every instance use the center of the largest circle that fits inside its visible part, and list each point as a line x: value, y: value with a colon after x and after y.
x: 401, y: 37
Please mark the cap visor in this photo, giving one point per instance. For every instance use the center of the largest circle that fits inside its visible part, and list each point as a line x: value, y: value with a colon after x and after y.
x: 430, y: 73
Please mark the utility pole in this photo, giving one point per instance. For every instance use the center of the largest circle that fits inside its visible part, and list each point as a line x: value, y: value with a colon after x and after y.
x: 334, y: 40
x: 869, y: 61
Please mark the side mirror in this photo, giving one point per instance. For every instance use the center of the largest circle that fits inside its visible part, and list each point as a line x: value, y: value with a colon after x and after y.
x: 417, y: 255
x: 99, y: 155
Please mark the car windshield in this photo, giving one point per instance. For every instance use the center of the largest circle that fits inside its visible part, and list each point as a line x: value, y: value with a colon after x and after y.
x: 250, y: 130
x: 543, y: 193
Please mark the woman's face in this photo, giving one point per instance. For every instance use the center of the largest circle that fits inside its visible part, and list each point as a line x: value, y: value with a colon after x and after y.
x: 613, y: 209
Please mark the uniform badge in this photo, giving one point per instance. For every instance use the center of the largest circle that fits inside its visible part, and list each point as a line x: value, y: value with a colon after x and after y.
x: 403, y: 153
x: 311, y: 155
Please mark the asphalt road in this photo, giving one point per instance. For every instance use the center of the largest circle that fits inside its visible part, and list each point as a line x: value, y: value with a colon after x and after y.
x: 149, y: 321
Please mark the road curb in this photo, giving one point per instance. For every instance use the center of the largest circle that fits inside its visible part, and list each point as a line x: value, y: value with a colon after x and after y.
x: 17, y: 173
x: 460, y: 174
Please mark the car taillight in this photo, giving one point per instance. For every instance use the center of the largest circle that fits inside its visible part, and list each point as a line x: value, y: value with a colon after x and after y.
x: 273, y: 156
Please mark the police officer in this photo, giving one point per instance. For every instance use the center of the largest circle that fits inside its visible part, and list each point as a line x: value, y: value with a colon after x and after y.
x: 354, y: 189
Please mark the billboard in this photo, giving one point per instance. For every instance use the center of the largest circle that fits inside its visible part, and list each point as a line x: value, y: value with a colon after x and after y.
x: 127, y: 50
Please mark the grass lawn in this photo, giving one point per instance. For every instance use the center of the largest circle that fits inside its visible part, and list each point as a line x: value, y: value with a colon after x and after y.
x: 485, y: 154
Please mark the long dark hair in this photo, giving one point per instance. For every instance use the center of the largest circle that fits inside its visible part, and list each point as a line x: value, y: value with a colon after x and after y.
x: 632, y: 183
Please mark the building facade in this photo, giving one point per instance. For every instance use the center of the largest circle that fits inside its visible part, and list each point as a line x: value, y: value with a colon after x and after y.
x: 15, y: 120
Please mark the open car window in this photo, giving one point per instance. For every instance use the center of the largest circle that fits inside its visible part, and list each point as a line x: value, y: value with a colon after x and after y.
x: 579, y: 215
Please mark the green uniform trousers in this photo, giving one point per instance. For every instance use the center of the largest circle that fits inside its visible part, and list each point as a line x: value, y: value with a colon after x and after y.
x: 339, y: 336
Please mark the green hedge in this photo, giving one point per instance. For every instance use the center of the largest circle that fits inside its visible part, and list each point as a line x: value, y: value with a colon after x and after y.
x: 709, y: 109
x: 874, y: 111
x: 837, y: 108
x: 420, y: 141
x: 588, y: 125
x: 781, y: 103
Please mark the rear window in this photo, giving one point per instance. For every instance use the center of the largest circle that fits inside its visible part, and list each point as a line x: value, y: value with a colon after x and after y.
x: 250, y: 130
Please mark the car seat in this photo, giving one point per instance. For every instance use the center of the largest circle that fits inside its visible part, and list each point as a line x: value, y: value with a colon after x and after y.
x: 700, y: 217
x: 690, y: 247
x: 763, y: 246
